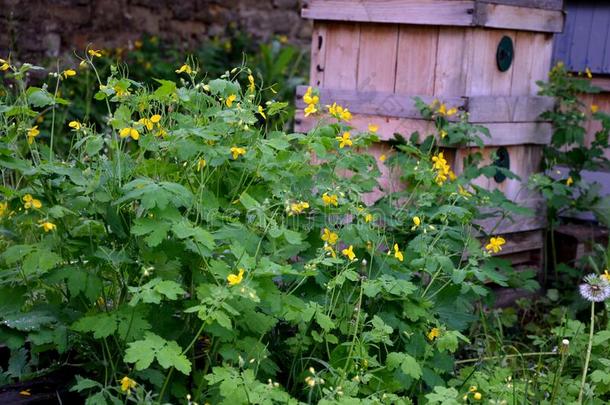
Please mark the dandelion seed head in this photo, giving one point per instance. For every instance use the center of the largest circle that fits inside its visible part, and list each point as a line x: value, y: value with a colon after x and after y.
x: 595, y: 288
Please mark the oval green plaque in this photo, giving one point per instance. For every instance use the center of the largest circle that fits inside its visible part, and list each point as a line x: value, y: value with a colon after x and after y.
x: 505, y: 53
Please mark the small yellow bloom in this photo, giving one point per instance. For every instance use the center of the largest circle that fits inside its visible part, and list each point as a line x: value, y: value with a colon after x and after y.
x: 442, y: 133
x: 451, y: 111
x: 434, y: 333
x: 155, y: 119
x: 416, y: 221
x: 147, y: 123
x: 344, y: 140
x: 368, y: 217
x: 382, y: 158
x: 261, y: 111
x: 298, y: 207
x: 68, y: 73
x: 235, y: 279
x: 329, y: 236
x: 48, y: 226
x: 495, y: 244
x: 339, y: 112
x: 588, y: 73
x: 473, y: 388
x: 310, y: 109
x: 31, y: 202
x: 442, y: 110
x: 309, y: 98
x: 137, y: 44
x: 26, y: 392
x: 129, y: 132
x: 4, y: 67
x: 349, y: 252
x: 477, y: 396
x: 330, y: 199
x: 229, y: 101
x: 127, y: 384
x: 237, y: 151
x: 185, y: 69
x: 33, y: 133
x: 328, y: 248
x: 594, y: 108
x: 605, y: 276
x: 398, y: 253
x: 75, y: 125
x: 569, y: 181
x: 94, y: 53
x: 200, y: 164
x: 373, y: 128
x: 251, y: 85
x: 3, y: 209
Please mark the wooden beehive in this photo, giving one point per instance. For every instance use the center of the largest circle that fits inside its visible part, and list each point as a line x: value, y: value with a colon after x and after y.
x: 375, y: 56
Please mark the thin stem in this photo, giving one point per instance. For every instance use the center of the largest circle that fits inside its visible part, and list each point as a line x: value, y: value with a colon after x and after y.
x: 584, y: 370
x: 558, y: 372
x: 506, y: 356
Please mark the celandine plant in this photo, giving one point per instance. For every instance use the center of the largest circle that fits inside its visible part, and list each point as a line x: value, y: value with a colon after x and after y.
x: 183, y: 252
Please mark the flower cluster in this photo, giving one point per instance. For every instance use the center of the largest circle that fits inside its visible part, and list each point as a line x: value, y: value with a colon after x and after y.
x: 476, y: 395
x: 443, y: 170
x: 312, y: 101
x: 340, y: 113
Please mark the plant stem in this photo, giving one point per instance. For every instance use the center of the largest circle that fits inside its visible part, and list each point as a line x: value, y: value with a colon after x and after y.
x: 558, y: 372
x: 584, y: 370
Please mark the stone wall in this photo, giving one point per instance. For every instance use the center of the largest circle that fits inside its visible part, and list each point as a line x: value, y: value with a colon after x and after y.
x: 36, y: 29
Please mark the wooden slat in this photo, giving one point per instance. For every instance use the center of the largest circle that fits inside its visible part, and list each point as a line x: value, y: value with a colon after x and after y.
x: 484, y: 77
x: 487, y: 109
x: 452, y: 61
x: 376, y: 102
x: 318, y: 54
x: 465, y: 13
x: 416, y: 60
x: 377, y: 57
x: 423, y: 12
x: 532, y: 62
x: 518, y: 18
x: 544, y: 4
x: 482, y: 109
x: 509, y: 133
x: 342, y: 47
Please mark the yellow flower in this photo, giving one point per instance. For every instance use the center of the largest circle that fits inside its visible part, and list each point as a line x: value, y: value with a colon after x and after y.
x: 31, y: 202
x: 451, y: 111
x: 330, y: 250
x: 261, y: 111
x: 185, y: 69
x: 237, y: 152
x: 588, y: 73
x: 398, y: 253
x: 129, y: 132
x: 473, y: 388
x: 443, y: 171
x: 477, y: 396
x: 462, y: 191
x: 368, y: 217
x: 147, y: 123
x: 3, y: 209
x: 68, y: 73
x: 127, y: 384
x: 330, y: 199
x: 349, y: 252
x: 310, y: 99
x: 442, y: 110
x: 235, y: 279
x: 339, y: 112
x: 200, y: 164
x: 344, y: 140
x: 416, y: 221
x: 442, y: 133
x: 94, y: 53
x: 569, y: 181
x: 74, y: 125
x: 4, y: 67
x: 495, y: 244
x: 434, y: 333
x: 605, y: 276
x: 155, y: 119
x: 33, y: 133
x: 251, y: 85
x: 137, y: 44
x: 298, y: 207
x: 594, y: 108
x: 310, y: 109
x: 373, y: 128
x: 48, y: 226
x: 329, y: 236
x: 382, y: 158
x: 230, y: 99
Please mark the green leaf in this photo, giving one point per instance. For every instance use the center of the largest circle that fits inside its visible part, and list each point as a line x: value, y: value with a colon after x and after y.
x: 83, y: 384
x: 411, y: 367
x: 168, y: 353
x: 102, y: 325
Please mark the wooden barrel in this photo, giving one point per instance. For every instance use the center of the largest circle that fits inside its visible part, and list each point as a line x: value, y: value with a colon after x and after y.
x: 483, y: 56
